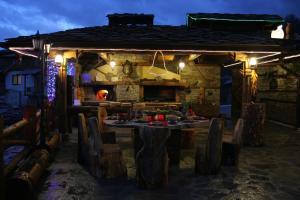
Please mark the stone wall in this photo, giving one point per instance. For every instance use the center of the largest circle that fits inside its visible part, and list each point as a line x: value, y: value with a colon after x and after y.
x: 277, y: 87
x: 203, y: 80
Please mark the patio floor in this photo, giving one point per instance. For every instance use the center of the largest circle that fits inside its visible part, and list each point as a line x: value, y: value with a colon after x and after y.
x: 269, y: 172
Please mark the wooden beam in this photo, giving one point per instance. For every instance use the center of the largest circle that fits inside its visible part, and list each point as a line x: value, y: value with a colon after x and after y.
x: 13, y: 128
x: 13, y: 164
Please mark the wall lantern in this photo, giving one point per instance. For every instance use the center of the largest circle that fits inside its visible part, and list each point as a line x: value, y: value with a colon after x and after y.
x: 112, y: 64
x: 278, y: 33
x: 181, y: 65
x: 37, y: 42
x: 252, y: 62
x: 59, y: 59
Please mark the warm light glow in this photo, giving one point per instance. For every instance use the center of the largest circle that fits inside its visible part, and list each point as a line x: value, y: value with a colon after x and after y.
x: 112, y: 64
x: 253, y: 61
x: 181, y: 65
x: 278, y: 33
x: 59, y: 59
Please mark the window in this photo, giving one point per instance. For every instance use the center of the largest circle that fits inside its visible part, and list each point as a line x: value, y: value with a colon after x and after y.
x: 17, y: 79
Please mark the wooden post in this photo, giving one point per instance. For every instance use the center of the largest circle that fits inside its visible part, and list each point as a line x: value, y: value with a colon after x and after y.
x: 62, y: 100
x: 2, y: 186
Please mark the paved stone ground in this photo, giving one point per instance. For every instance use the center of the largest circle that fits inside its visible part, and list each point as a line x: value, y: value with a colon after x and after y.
x: 269, y: 172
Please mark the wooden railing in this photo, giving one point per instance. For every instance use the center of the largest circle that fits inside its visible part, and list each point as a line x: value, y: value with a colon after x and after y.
x: 29, y: 126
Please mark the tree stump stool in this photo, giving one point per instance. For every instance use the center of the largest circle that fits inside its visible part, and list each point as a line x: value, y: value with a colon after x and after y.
x: 111, y: 162
x: 188, y: 138
x: 254, y: 117
x: 152, y: 158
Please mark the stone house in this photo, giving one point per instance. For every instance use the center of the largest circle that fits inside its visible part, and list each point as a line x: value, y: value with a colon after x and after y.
x: 20, y: 79
x: 138, y: 61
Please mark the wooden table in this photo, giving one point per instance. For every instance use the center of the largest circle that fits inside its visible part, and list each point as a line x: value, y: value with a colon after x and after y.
x: 156, y: 147
x: 181, y: 124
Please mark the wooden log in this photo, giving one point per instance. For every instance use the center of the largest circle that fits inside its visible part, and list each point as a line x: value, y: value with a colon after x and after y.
x: 21, y: 184
x: 54, y: 141
x: 13, y: 164
x: 254, y: 117
x: 214, y: 146
x: 152, y: 159
x: 14, y: 128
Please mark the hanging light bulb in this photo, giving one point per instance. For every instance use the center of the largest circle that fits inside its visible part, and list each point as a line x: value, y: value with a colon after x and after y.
x: 112, y: 64
x: 59, y: 59
x: 181, y: 65
x: 253, y: 61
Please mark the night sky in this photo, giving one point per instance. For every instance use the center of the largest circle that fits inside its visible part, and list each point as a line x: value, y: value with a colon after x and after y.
x: 24, y: 17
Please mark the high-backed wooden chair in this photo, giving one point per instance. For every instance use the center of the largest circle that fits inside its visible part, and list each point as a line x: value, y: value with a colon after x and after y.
x: 108, y: 137
x: 209, y: 156
x: 107, y: 161
x: 83, y: 142
x: 232, y: 143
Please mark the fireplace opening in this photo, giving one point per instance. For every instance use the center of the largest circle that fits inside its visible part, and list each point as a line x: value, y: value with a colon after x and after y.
x: 111, y: 96
x: 159, y: 93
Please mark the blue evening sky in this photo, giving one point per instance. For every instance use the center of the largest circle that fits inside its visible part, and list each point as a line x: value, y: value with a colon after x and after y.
x: 25, y: 17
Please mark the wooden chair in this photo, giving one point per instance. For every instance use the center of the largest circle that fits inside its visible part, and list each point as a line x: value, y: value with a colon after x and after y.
x: 152, y: 158
x: 232, y: 142
x: 83, y: 141
x: 107, y: 161
x: 108, y: 137
x: 208, y: 156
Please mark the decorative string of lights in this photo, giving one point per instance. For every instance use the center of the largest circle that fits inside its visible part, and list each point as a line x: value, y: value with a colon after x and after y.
x: 52, y: 72
x: 71, y: 68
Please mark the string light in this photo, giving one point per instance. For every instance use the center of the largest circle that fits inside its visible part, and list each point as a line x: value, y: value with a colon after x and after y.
x: 71, y: 68
x: 52, y: 72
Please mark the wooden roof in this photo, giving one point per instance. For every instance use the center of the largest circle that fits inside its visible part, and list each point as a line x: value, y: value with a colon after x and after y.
x: 153, y: 37
x: 160, y: 37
